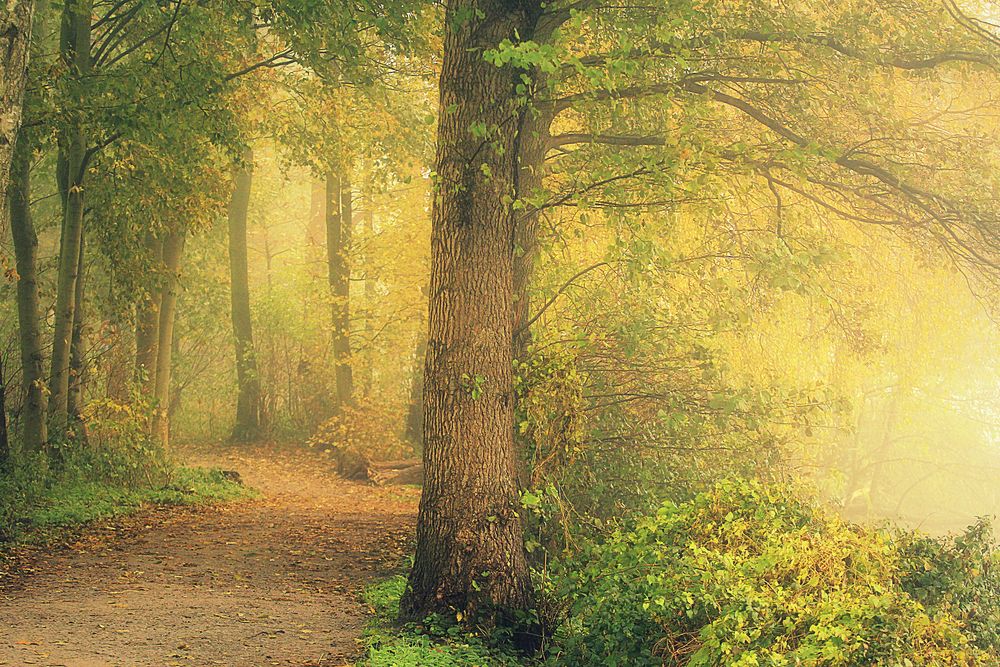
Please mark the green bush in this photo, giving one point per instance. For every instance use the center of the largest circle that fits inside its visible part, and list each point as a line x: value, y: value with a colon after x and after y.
x: 36, y: 499
x: 958, y: 575
x: 113, y: 469
x: 744, y: 576
x: 22, y: 483
x: 118, y: 448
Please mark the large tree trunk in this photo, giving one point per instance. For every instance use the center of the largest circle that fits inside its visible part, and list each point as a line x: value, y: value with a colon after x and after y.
x: 470, y: 553
x: 147, y: 323
x: 173, y: 248
x: 15, y: 47
x: 247, y: 425
x: 33, y: 416
x: 338, y: 248
x: 76, y: 55
x: 531, y: 174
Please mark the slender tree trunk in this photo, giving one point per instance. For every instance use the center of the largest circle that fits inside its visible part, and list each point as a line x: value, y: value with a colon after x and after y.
x: 173, y: 249
x: 531, y: 173
x: 247, y: 425
x: 470, y: 555
x: 338, y: 247
x: 119, y: 364
x: 34, y: 431
x: 316, y: 229
x: 176, y: 389
x: 415, y: 413
x: 147, y: 323
x: 76, y: 55
x: 4, y: 438
x: 368, y: 218
x: 15, y: 48
x: 78, y: 346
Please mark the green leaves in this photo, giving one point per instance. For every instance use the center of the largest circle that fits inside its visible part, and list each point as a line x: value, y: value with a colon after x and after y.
x: 529, y: 499
x: 527, y: 55
x: 474, y: 385
x: 749, y: 575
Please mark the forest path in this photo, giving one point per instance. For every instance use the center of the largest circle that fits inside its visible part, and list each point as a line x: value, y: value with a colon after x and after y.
x: 271, y: 581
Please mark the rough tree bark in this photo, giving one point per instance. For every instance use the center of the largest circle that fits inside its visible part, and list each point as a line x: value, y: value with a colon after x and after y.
x: 470, y: 547
x: 339, y: 215
x: 33, y: 417
x: 173, y: 249
x: 75, y: 50
x: 531, y: 174
x: 147, y: 323
x: 15, y: 48
x: 247, y: 425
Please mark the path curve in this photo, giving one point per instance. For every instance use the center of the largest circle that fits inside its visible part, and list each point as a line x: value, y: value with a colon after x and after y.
x: 273, y: 581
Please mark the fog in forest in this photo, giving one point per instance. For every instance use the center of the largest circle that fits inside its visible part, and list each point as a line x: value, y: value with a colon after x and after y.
x: 516, y: 332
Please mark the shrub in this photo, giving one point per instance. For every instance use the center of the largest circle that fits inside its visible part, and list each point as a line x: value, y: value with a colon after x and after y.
x: 22, y: 482
x: 118, y: 448
x: 573, y: 483
x: 370, y: 429
x: 746, y: 575
x: 959, y: 575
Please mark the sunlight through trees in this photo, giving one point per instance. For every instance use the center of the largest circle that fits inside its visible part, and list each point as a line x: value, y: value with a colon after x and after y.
x: 669, y: 285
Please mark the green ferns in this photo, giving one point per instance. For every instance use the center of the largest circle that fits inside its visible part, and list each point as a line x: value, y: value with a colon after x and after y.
x: 749, y: 576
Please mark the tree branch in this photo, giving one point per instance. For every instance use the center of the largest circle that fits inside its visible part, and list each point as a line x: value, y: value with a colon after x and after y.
x: 611, y: 140
x: 552, y: 299
x: 911, y: 62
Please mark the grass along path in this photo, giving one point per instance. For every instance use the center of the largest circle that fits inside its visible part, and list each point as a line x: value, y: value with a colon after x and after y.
x: 268, y: 581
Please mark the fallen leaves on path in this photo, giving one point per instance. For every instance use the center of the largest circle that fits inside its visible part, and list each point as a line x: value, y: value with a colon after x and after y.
x: 272, y: 581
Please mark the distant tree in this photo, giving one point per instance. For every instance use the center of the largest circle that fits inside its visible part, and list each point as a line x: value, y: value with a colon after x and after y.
x: 247, y: 426
x: 339, y: 227
x: 173, y: 249
x: 147, y: 321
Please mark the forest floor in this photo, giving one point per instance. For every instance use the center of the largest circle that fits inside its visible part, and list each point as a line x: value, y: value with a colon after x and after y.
x: 268, y: 581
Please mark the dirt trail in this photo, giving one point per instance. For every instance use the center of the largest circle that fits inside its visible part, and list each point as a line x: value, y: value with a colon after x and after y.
x: 262, y: 582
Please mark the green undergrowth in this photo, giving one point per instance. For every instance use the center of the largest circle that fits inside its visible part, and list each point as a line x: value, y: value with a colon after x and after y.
x: 742, y: 575
x: 748, y: 575
x: 387, y: 644
x: 38, y: 504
